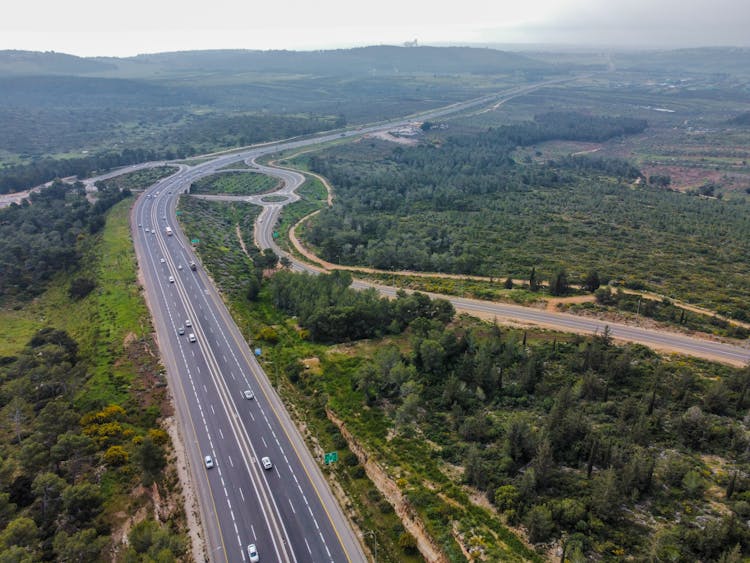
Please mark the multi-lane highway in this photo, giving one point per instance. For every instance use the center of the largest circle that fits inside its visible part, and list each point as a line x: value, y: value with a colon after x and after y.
x: 288, y: 511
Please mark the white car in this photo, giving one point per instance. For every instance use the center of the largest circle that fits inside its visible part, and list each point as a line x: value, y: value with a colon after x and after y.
x: 162, y: 260
x: 147, y: 230
x: 180, y: 331
x: 266, y: 462
x: 252, y: 553
x: 191, y: 337
x: 171, y: 279
x: 188, y: 323
x: 248, y: 394
x: 209, y: 462
x: 179, y: 266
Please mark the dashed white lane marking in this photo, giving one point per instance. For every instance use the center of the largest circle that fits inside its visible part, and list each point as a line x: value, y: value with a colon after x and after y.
x: 197, y: 368
x: 252, y: 417
x: 291, y: 505
x: 221, y: 434
x: 205, y: 389
x: 225, y: 358
x: 264, y: 441
x: 193, y: 353
x: 252, y: 529
x: 242, y: 496
x: 212, y: 409
x: 230, y: 460
x: 308, y: 547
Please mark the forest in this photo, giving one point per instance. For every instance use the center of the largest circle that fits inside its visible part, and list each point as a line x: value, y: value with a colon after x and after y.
x: 464, y: 204
x: 40, y: 237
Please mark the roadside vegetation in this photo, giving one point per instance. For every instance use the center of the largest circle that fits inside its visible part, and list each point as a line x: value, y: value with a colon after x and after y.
x: 234, y: 183
x: 84, y: 455
x: 138, y: 179
x: 664, y: 311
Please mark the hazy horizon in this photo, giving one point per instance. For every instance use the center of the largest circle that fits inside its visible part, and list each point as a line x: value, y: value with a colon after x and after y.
x: 87, y: 28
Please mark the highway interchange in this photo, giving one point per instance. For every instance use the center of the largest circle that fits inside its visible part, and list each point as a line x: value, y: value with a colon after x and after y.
x: 288, y: 511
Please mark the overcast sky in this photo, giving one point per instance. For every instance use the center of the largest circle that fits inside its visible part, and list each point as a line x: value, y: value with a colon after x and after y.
x: 101, y: 27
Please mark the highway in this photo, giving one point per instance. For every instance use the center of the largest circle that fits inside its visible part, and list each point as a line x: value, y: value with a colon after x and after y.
x: 288, y: 511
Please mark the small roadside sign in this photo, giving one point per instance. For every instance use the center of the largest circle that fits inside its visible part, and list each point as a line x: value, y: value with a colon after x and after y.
x: 195, y: 241
x: 276, y: 234
x: 257, y: 351
x: 331, y: 457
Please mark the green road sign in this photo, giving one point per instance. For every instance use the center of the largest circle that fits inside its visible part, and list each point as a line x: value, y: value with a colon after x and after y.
x: 178, y: 212
x: 195, y: 241
x: 276, y: 234
x: 331, y: 457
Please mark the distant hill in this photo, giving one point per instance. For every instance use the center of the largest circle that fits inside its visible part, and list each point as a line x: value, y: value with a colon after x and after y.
x: 36, y: 63
x: 364, y: 60
x: 378, y: 60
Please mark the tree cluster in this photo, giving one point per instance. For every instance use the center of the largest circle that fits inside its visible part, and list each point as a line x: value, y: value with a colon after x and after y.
x: 39, y: 237
x: 332, y: 311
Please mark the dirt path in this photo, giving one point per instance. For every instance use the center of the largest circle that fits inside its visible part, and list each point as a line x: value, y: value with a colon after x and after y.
x: 242, y: 241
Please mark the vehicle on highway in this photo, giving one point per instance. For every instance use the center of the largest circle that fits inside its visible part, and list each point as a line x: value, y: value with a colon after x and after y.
x: 169, y: 230
x: 191, y: 337
x: 180, y: 331
x: 266, y: 462
x: 252, y: 553
x: 162, y: 260
x: 179, y: 266
x: 248, y: 394
x: 209, y: 462
x: 139, y: 224
x: 147, y: 230
x: 193, y: 266
x: 188, y: 323
x: 171, y: 279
